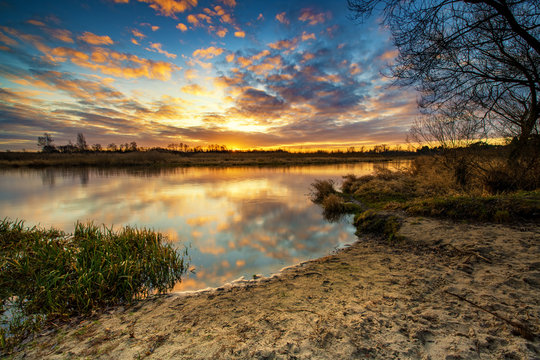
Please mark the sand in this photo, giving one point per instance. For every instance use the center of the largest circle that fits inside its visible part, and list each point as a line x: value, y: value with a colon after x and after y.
x: 450, y: 291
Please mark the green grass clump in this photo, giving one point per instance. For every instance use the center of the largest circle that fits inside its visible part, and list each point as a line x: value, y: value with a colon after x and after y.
x: 372, y: 222
x: 501, y: 208
x: 46, y: 274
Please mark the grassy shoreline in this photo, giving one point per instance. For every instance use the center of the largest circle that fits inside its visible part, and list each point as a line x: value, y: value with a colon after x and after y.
x: 46, y: 274
x: 172, y: 159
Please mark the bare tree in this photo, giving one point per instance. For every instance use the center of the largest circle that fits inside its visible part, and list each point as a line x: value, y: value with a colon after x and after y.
x: 476, y: 64
x: 46, y: 143
x: 81, y: 142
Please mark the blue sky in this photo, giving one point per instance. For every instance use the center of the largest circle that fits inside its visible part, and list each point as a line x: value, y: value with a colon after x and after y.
x: 244, y: 73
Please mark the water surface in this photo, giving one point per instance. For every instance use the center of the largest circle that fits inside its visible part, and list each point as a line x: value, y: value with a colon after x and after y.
x: 235, y: 221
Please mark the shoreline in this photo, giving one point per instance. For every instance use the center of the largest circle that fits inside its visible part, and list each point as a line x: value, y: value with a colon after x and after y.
x: 159, y: 160
x: 372, y: 299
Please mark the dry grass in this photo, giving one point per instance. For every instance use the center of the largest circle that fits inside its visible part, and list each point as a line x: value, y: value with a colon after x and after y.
x: 158, y: 158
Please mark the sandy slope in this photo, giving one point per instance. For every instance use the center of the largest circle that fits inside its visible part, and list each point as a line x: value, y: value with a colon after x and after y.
x: 372, y: 300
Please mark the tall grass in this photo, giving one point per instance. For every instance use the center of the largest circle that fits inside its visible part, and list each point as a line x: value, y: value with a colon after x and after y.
x: 47, y: 274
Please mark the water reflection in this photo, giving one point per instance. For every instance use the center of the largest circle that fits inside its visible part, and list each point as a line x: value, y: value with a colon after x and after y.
x: 237, y: 221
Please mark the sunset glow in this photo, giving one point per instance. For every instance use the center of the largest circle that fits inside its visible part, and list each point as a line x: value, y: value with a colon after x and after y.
x: 245, y: 74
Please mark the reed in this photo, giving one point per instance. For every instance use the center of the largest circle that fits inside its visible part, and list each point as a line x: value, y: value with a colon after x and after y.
x: 47, y: 274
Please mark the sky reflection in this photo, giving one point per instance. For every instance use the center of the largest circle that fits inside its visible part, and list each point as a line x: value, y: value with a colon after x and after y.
x: 235, y: 221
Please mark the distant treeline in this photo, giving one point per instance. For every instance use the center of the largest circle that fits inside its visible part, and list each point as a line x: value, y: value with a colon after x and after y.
x: 46, y: 143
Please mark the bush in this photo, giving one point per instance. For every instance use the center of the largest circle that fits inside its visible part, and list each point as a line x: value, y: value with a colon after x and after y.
x: 47, y: 274
x: 333, y: 207
x: 320, y: 189
x: 371, y: 222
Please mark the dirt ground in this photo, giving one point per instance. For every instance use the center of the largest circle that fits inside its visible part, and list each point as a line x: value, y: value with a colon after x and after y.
x: 450, y: 291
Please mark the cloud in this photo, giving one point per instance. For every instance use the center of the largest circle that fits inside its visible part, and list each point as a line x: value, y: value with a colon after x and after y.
x: 153, y: 27
x: 229, y: 3
x: 61, y: 34
x: 282, y: 18
x: 156, y: 47
x: 230, y: 57
x: 284, y: 44
x: 240, y: 34
x: 259, y: 104
x: 221, y: 32
x: 7, y: 40
x: 313, y: 18
x: 195, y: 89
x: 306, y: 36
x: 190, y: 74
x: 113, y: 63
x: 208, y: 53
x: 181, y: 27
x: 138, y: 34
x: 198, y: 20
x: 94, y: 39
x: 167, y: 7
x: 36, y: 22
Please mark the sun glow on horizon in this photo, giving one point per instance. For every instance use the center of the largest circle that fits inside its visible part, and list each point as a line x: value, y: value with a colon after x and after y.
x: 243, y: 74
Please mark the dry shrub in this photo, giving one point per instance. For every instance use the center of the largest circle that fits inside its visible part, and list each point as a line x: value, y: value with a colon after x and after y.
x: 320, y: 189
x: 351, y: 183
x: 333, y: 207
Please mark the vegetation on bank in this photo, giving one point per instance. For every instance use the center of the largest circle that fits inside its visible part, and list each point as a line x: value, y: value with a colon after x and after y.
x: 46, y: 275
x: 167, y: 158
x: 486, y: 190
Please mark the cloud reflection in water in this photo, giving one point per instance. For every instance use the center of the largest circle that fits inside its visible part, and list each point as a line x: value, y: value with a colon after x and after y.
x: 236, y: 221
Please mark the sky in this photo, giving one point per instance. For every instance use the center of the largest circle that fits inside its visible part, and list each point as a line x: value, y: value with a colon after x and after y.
x: 242, y: 73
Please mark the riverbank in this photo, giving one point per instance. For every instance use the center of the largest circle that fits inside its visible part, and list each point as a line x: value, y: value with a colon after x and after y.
x: 179, y: 159
x: 447, y: 291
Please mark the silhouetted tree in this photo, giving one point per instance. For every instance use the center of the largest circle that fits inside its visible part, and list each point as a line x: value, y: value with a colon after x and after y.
x: 112, y: 147
x: 97, y: 147
x: 81, y: 142
x: 475, y: 62
x: 45, y: 142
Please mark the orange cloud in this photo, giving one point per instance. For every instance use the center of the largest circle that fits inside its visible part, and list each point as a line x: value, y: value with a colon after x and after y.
x: 306, y: 36
x: 240, y: 34
x: 156, y: 47
x: 282, y: 18
x: 313, y: 18
x: 222, y: 32
x: 243, y: 61
x: 7, y: 40
x: 284, y: 44
x: 167, y: 7
x: 36, y: 22
x: 135, y: 41
x: 355, y: 69
x: 389, y: 55
x: 229, y: 3
x: 230, y: 57
x: 181, y: 27
x: 61, y: 34
x: 94, y: 39
x: 192, y: 19
x: 154, y: 28
x: 194, y: 89
x: 138, y: 34
x: 260, y: 55
x: 307, y: 57
x: 113, y: 63
x: 208, y: 53
x: 190, y: 74
x: 240, y: 263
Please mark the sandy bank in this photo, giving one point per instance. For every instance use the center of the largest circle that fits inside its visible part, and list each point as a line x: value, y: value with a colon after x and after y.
x: 371, y: 300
